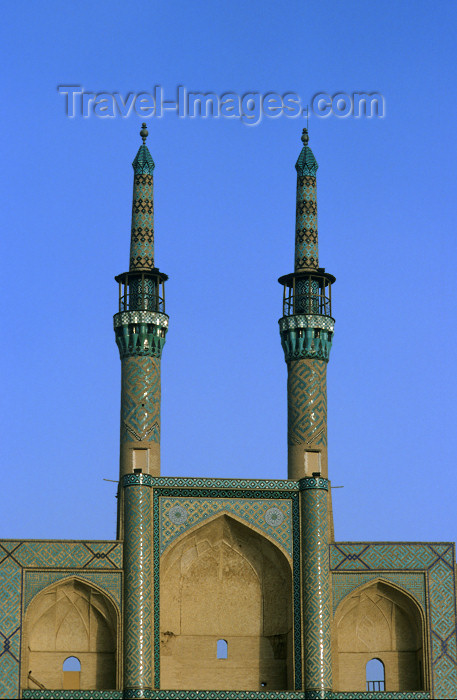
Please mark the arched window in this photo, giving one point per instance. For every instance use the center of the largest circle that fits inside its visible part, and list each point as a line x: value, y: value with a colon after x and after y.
x: 222, y: 649
x: 375, y: 676
x: 72, y: 664
x: 71, y: 673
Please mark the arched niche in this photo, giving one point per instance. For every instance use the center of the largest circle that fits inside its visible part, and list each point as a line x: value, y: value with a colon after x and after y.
x: 225, y: 581
x: 379, y: 621
x: 71, y: 618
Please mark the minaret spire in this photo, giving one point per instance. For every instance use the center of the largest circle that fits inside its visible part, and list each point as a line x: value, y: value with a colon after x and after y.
x: 306, y: 243
x: 142, y: 235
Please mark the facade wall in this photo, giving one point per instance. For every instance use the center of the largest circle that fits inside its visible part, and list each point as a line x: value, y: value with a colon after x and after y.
x: 194, y: 516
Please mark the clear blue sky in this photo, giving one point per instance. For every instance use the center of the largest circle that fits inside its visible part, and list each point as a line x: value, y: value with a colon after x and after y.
x: 224, y: 199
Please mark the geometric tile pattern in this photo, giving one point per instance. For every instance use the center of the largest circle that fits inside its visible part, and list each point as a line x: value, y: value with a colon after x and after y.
x: 344, y: 583
x: 137, y: 584
x: 326, y: 323
x: 437, y: 562
x: 10, y: 620
x: 54, y: 554
x: 316, y: 586
x: 142, y: 235
x: 140, y: 399
x: 191, y: 511
x: 16, y: 555
x: 135, y: 317
x: 307, y: 402
x: 35, y: 581
x: 173, y: 492
x: 306, y: 241
x: 189, y: 482
x: 215, y: 695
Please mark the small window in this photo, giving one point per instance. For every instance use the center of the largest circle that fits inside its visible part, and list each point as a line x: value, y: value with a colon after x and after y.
x: 72, y: 664
x: 222, y: 649
x: 71, y: 673
x: 375, y: 676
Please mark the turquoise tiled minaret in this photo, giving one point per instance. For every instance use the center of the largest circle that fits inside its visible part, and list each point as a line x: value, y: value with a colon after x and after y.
x: 306, y: 329
x: 140, y: 327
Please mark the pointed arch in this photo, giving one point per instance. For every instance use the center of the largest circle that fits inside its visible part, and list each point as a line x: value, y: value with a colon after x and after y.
x: 379, y: 620
x: 71, y: 617
x: 226, y: 580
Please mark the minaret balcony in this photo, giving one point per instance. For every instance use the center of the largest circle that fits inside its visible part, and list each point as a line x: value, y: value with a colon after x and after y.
x: 141, y: 323
x: 307, y: 325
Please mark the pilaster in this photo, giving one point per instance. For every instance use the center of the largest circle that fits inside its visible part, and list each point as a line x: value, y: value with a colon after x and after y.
x: 316, y: 587
x: 138, y: 670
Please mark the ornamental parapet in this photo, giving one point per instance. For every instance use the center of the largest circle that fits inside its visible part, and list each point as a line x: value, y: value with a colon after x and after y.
x: 306, y: 336
x: 140, y: 332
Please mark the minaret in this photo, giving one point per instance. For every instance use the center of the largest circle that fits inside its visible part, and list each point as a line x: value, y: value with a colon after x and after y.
x: 140, y: 326
x: 306, y: 332
x: 306, y: 335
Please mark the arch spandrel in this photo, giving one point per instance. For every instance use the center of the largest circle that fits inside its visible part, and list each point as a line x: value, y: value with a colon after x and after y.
x: 271, y: 517
x: 254, y: 527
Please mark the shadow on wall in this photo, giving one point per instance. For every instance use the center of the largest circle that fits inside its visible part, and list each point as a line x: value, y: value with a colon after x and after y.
x: 378, y: 622
x: 67, y: 624
x: 226, y: 610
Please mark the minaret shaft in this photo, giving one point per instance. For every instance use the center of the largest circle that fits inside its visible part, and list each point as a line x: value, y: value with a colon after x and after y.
x: 307, y: 418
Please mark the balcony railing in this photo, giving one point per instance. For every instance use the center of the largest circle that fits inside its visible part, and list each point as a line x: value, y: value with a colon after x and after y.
x: 307, y: 294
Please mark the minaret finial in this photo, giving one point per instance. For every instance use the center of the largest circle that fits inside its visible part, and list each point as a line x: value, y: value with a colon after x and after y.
x: 144, y: 132
x: 305, y: 137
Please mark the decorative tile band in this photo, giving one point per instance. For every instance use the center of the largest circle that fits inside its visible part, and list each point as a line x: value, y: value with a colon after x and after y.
x: 326, y: 323
x: 215, y: 695
x: 136, y: 480
x: 72, y: 694
x: 312, y: 482
x: 124, y: 318
x: 55, y: 554
x: 189, y: 482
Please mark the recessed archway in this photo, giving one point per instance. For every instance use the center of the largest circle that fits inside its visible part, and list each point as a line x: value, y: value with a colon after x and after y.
x: 379, y: 621
x: 71, y: 620
x: 225, y: 582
